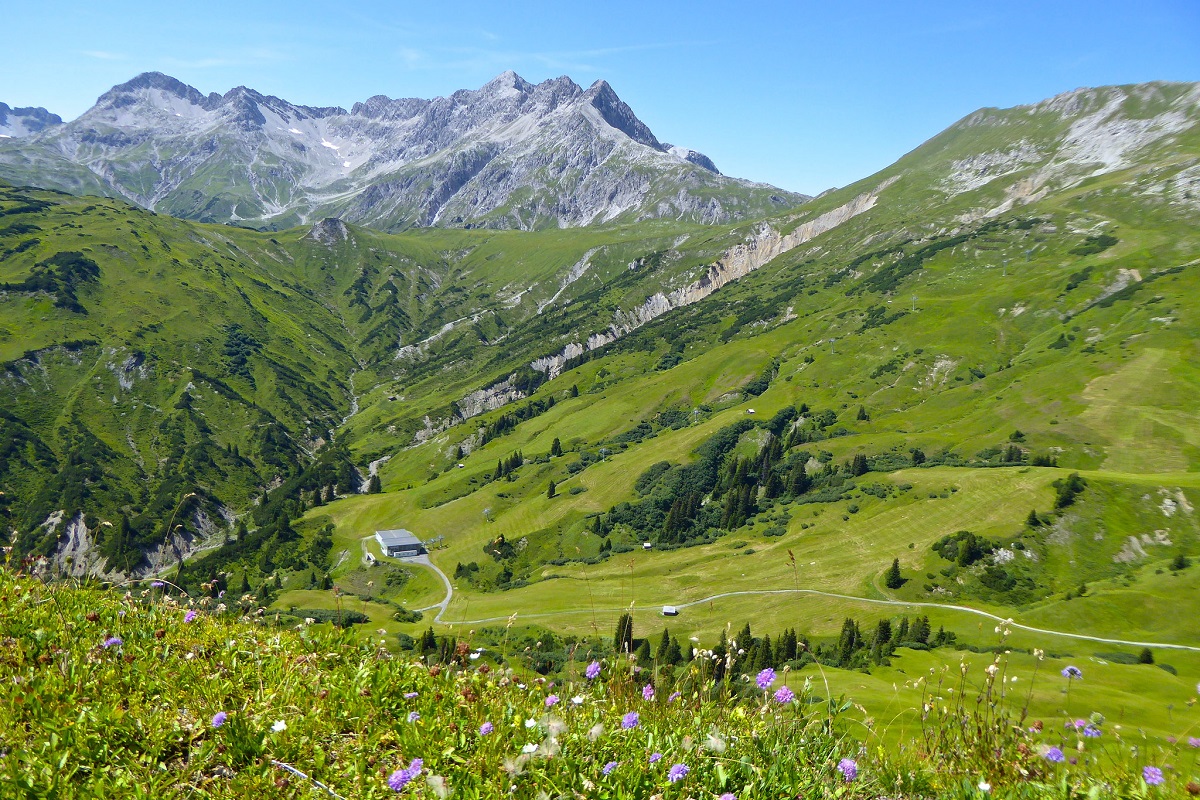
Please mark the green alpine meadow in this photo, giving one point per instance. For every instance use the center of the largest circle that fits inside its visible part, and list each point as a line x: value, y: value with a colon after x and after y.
x: 488, y: 446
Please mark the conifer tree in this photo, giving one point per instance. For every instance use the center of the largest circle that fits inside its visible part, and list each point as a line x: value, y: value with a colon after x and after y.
x: 894, y: 580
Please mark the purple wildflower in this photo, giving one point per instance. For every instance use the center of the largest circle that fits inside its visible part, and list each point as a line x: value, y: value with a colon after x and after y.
x: 1072, y: 673
x: 112, y: 641
x: 189, y: 616
x: 765, y: 678
x: 848, y: 768
x: 728, y: 796
x: 551, y: 701
x: 647, y: 692
x: 1193, y: 741
x: 1055, y: 755
x: 1092, y: 732
x: 593, y: 671
x: 486, y: 728
x: 630, y: 720
x: 219, y: 719
x: 410, y: 695
x: 784, y: 695
x: 401, y: 777
x: 1152, y: 776
x: 674, y: 696
x: 655, y: 757
x: 609, y: 767
x: 156, y: 584
x: 677, y: 773
x: 413, y: 716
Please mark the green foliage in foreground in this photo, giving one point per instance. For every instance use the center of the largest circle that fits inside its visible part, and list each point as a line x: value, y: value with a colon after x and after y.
x: 137, y: 696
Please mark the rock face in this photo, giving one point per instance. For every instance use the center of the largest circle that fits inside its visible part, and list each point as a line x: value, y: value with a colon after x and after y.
x: 16, y: 123
x: 1065, y: 140
x: 510, y: 155
x: 736, y: 263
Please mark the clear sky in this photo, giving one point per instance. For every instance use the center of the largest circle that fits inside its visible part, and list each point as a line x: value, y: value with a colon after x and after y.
x: 804, y: 95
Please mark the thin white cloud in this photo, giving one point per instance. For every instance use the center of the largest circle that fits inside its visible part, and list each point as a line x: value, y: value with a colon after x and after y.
x: 480, y: 58
x: 104, y: 55
x: 238, y: 58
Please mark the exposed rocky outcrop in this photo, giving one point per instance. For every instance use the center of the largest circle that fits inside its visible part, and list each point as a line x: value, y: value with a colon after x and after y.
x: 765, y: 245
x: 329, y: 232
x: 18, y: 122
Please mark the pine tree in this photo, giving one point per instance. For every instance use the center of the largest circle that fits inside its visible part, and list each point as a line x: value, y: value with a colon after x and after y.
x: 859, y: 465
x: 664, y: 644
x: 623, y: 638
x: 883, y: 634
x: 556, y: 448
x: 550, y: 491
x: 574, y: 390
x: 788, y: 650
x: 848, y: 643
x: 894, y: 580
x: 920, y: 630
x: 375, y: 486
x: 642, y: 654
x: 799, y: 482
x: 766, y: 655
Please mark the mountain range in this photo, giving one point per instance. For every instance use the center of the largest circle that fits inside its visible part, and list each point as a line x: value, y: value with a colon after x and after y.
x: 508, y: 155
x: 169, y: 386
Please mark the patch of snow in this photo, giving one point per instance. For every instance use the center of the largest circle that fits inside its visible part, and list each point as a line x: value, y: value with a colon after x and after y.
x: 326, y: 143
x: 293, y: 130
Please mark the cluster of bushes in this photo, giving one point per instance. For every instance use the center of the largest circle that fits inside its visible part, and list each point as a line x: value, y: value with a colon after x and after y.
x: 61, y: 275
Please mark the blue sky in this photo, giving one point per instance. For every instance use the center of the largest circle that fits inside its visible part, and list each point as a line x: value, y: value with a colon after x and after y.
x: 803, y: 95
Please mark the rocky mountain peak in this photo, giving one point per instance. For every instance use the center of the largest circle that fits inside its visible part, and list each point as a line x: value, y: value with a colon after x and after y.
x: 124, y: 93
x: 18, y: 122
x: 617, y: 114
x: 508, y: 80
x: 329, y: 231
